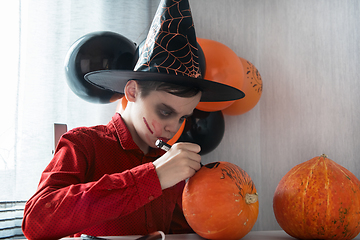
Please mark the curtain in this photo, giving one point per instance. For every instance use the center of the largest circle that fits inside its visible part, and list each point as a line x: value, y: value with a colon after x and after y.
x: 36, y: 36
x: 34, y: 93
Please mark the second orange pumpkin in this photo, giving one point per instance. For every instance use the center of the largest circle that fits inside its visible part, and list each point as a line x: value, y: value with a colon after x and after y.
x: 318, y: 199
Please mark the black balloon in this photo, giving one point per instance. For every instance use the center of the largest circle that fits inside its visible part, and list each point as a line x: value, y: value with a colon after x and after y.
x: 204, y: 128
x: 97, y: 51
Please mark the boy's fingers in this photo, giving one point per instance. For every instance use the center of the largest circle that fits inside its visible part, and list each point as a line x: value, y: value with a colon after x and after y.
x: 188, y: 146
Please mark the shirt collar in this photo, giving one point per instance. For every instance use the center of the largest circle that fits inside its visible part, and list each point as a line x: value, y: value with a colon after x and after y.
x: 125, y: 138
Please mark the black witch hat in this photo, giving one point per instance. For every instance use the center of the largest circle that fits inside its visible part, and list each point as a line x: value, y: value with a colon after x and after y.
x: 169, y: 54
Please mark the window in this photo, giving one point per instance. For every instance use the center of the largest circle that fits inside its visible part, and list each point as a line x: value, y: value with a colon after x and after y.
x: 36, y: 36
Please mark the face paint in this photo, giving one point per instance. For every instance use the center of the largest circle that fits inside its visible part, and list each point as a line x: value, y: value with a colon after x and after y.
x: 157, y: 128
x: 147, y: 125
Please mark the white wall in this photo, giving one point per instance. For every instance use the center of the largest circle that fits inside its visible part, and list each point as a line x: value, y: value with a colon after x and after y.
x: 307, y: 53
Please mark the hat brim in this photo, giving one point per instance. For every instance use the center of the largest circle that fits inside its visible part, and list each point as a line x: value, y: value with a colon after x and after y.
x: 115, y: 80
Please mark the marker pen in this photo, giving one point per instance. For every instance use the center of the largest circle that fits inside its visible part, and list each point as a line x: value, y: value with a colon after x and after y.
x: 162, y: 145
x: 166, y: 147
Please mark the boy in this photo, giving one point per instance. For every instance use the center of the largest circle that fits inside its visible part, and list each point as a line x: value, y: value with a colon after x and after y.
x: 101, y: 176
x: 111, y: 180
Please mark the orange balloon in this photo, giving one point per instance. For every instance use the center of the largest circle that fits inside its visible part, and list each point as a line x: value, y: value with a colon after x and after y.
x: 178, y: 134
x: 223, y: 66
x: 252, y: 88
x: 122, y: 105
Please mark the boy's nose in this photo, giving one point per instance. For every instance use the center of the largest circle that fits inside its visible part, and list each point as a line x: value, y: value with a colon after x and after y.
x: 173, y: 127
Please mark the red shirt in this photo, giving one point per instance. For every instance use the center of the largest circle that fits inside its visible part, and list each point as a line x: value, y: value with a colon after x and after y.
x: 100, y: 183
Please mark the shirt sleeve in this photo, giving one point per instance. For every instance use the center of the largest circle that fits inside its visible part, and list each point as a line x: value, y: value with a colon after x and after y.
x: 64, y: 193
x: 179, y: 224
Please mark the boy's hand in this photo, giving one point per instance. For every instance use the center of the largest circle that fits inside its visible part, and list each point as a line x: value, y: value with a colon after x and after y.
x: 179, y: 163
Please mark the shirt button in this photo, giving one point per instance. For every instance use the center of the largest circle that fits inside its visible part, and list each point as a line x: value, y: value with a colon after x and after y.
x: 151, y: 198
x: 150, y: 224
x: 48, y: 205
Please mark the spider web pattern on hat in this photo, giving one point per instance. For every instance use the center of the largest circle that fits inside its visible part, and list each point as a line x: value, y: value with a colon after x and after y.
x: 168, y: 54
x: 170, y: 46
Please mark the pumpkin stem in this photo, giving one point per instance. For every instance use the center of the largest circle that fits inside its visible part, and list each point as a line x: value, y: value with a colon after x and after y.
x: 324, y: 156
x: 251, y: 198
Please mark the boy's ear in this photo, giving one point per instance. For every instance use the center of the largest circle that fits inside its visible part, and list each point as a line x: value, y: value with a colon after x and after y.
x: 131, y: 90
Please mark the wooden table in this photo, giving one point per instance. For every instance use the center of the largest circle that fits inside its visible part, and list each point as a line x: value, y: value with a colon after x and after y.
x: 253, y: 235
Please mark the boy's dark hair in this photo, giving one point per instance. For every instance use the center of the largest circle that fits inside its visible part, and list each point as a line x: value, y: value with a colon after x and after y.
x: 178, y: 90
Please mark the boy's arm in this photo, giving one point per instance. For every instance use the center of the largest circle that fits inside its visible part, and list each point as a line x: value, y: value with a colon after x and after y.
x: 179, y: 224
x: 65, y: 204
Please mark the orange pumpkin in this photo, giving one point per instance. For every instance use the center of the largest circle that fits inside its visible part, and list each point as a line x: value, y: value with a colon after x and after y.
x: 220, y: 201
x: 318, y: 199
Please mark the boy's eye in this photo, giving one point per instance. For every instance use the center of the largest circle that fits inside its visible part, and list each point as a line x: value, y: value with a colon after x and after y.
x: 165, y: 113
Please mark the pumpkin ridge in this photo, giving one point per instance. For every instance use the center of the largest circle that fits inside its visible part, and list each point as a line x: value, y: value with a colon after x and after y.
x: 287, y: 183
x: 345, y: 173
x: 294, y: 170
x: 309, y: 177
x: 327, y: 184
x: 353, y: 184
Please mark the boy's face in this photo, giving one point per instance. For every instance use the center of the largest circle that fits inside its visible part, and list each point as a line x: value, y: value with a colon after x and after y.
x: 159, y: 115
